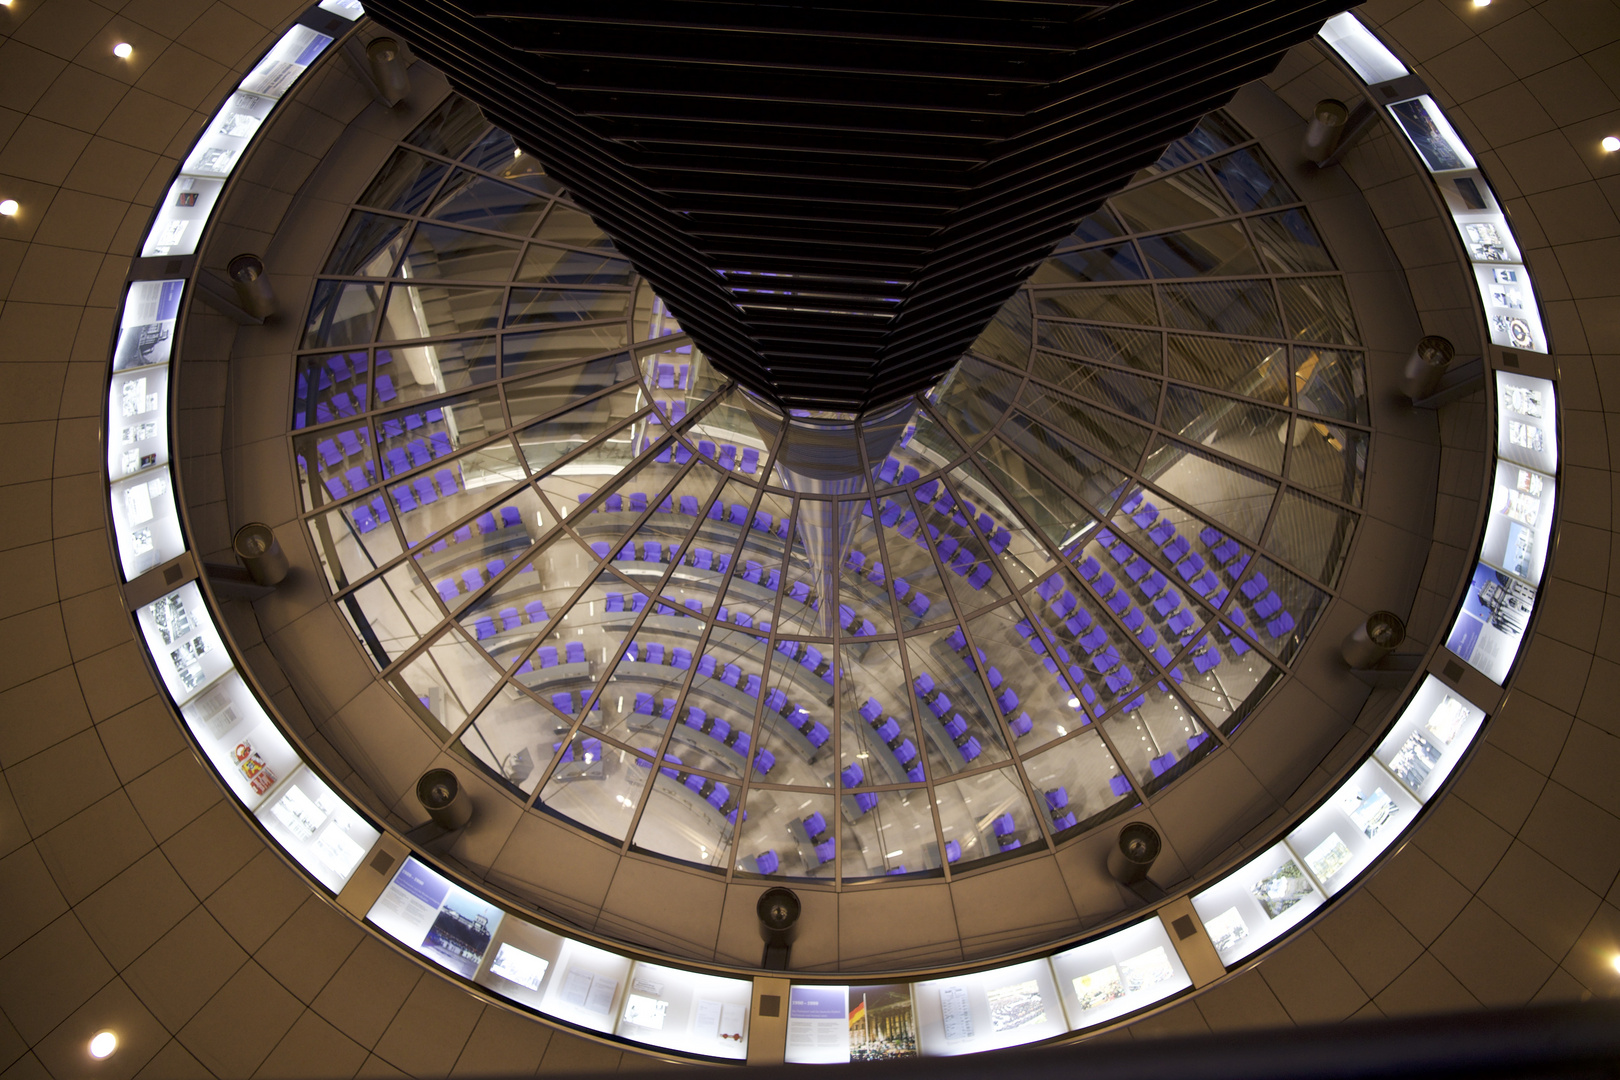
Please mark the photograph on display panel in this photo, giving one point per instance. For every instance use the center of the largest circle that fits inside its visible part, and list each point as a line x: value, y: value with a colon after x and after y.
x: 818, y: 1027
x: 1495, y: 612
x: 882, y: 1022
x: 1519, y: 526
x: 437, y: 918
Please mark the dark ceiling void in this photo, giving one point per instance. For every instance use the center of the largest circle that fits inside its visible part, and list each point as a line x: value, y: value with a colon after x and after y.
x: 834, y: 199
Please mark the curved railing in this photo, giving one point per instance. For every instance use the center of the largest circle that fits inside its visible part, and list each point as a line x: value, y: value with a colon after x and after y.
x: 721, y: 1014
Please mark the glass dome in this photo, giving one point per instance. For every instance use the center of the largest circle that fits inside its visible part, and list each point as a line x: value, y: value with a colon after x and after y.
x: 818, y: 646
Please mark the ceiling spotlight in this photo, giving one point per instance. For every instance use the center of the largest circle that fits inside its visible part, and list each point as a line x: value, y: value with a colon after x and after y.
x: 8, y: 207
x: 1616, y: 962
x: 123, y: 50
x: 1611, y: 143
x: 103, y: 1044
x: 1482, y: 3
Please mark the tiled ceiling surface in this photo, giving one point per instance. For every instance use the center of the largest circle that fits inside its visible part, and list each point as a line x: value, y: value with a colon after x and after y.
x: 134, y: 897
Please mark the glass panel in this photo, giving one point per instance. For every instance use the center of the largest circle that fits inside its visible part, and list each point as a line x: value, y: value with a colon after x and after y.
x: 889, y: 833
x: 1050, y: 510
x: 446, y: 681
x: 572, y: 228
x: 1023, y: 557
x: 1318, y: 309
x: 957, y: 547
x: 910, y: 570
x: 449, y: 129
x: 652, y: 316
x: 1222, y: 307
x: 1080, y: 784
x: 879, y: 733
x: 1251, y: 180
x: 776, y: 839
x: 542, y: 307
x: 1312, y: 535
x: 575, y: 647
x: 353, y: 541
x: 922, y: 450
x: 541, y: 395
x: 509, y: 618
x: 795, y: 732
x: 1123, y: 304
x: 727, y: 432
x: 863, y: 605
x: 329, y: 387
x: 497, y: 153
x: 413, y: 438
x: 812, y: 555
x: 1157, y: 738
x: 1100, y: 225
x: 718, y: 712
x: 1133, y: 394
x: 1251, y: 433
x: 1111, y: 262
x: 556, y: 266
x: 1181, y: 199
x: 974, y: 396
x: 515, y: 738
x: 1331, y: 382
x: 473, y: 479
x: 1007, y: 337
x: 342, y: 313
x: 1115, y: 438
x: 429, y: 370
x: 1214, y: 250
x: 948, y: 687
x: 484, y: 204
x: 603, y: 805
x: 1224, y: 493
x: 404, y: 183
x: 439, y: 311
x: 438, y: 251
x: 751, y: 596
x: 986, y: 815
x: 1225, y: 677
x: 1031, y: 691
x: 1275, y: 606
x: 333, y: 464
x: 1138, y: 349
x: 1328, y: 459
x: 689, y: 817
x: 390, y: 613
x: 573, y: 483
x: 1289, y: 244
x: 1254, y: 369
x: 369, y: 247
x: 639, y: 700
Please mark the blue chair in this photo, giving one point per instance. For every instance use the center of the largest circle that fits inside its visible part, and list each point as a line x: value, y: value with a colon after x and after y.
x: 766, y: 862
x: 815, y: 825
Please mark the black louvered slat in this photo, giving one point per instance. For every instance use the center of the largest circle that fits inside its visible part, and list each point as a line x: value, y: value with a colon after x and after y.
x: 900, y: 169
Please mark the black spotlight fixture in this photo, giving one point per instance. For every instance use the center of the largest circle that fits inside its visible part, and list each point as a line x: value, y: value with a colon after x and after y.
x: 1130, y: 860
x: 778, y: 910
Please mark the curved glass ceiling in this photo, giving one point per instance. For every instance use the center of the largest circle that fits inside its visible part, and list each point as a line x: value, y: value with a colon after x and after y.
x: 817, y: 646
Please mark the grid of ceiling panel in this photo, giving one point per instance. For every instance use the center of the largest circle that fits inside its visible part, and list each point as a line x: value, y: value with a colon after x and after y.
x: 588, y: 562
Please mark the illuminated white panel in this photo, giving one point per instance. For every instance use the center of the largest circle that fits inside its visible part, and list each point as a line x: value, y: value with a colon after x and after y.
x: 1365, y: 54
x: 182, y: 217
x: 1526, y: 421
x: 227, y: 135
x: 988, y: 1010
x: 818, y: 1025
x: 288, y: 59
x: 1509, y: 299
x: 587, y: 987
x: 1490, y: 627
x: 432, y: 915
x: 1256, y: 903
x: 1437, y: 142
x: 348, y: 9
x: 1430, y: 737
x: 1129, y: 969
x: 317, y: 827
x: 1356, y: 823
x: 146, y: 325
x: 1519, y: 526
x: 137, y: 421
x: 521, y: 961
x: 239, y: 739
x: 184, y: 642
x: 146, y: 522
x: 686, y: 1011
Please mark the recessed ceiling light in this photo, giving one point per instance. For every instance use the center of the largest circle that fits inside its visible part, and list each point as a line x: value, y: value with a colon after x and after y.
x: 8, y: 207
x: 1610, y: 143
x: 1616, y: 962
x: 103, y: 1044
x: 123, y: 50
x: 1482, y: 3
